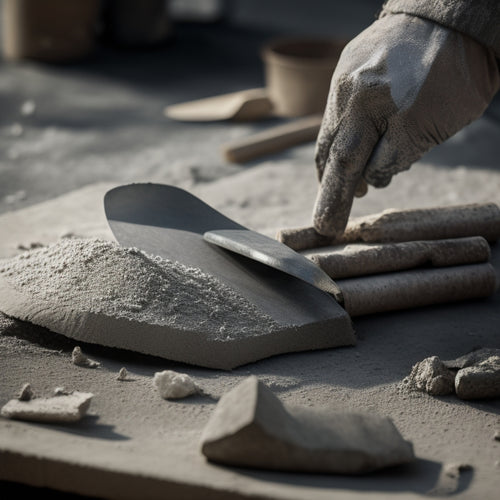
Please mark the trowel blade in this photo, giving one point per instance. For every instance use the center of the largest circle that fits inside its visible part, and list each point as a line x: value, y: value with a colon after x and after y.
x: 275, y: 254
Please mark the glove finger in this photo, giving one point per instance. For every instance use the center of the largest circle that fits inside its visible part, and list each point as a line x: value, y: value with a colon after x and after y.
x: 343, y: 172
x: 323, y: 145
x: 394, y: 153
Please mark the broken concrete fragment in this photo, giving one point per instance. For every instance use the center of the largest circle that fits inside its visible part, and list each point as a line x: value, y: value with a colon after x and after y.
x: 66, y: 408
x: 81, y: 359
x: 431, y: 376
x: 455, y: 469
x: 250, y: 427
x: 479, y: 381
x: 26, y: 393
x: 61, y: 391
x: 472, y: 358
x: 173, y: 385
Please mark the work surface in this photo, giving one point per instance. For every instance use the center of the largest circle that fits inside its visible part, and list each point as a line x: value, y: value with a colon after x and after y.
x: 100, y: 125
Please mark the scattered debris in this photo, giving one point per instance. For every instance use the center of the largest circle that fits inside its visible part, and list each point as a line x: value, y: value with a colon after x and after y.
x: 61, y: 391
x: 80, y: 359
x: 454, y: 470
x: 15, y: 197
x: 26, y: 393
x: 173, y: 385
x: 431, y: 376
x: 28, y: 107
x: 475, y: 375
x: 31, y: 246
x: 122, y: 374
x: 449, y: 479
x: 65, y: 408
x: 250, y: 427
x: 480, y: 381
x: 472, y: 358
x: 16, y: 130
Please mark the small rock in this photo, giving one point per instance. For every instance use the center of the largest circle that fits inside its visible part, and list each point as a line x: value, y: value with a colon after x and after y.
x: 479, y: 381
x: 173, y: 385
x: 15, y: 197
x: 26, y: 393
x: 496, y: 436
x: 28, y: 108
x: 16, y: 130
x: 454, y: 470
x: 65, y: 408
x: 80, y: 359
x: 472, y: 358
x: 61, y: 391
x: 122, y: 374
x: 431, y: 376
x: 31, y: 246
x: 250, y: 427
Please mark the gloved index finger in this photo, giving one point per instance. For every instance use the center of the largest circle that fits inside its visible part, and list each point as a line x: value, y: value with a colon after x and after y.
x: 343, y: 173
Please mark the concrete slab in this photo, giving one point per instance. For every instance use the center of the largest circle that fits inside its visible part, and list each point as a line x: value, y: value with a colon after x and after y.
x: 103, y: 122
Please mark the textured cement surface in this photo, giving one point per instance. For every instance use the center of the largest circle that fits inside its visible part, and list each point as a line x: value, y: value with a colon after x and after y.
x: 100, y: 124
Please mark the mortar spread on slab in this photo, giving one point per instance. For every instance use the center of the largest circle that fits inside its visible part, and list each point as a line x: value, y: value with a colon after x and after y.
x: 97, y: 276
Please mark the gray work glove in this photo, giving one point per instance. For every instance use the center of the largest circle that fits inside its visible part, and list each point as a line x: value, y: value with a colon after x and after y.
x: 401, y: 87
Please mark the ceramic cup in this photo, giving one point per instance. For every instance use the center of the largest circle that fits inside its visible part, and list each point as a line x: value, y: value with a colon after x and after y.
x: 298, y: 74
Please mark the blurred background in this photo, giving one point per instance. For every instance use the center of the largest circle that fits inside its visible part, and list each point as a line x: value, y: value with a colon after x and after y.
x: 86, y: 103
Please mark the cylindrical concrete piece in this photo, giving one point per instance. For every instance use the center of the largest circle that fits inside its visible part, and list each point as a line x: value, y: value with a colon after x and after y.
x: 476, y: 219
x: 361, y: 259
x: 417, y: 288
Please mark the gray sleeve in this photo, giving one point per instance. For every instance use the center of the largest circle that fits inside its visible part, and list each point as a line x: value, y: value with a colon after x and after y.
x: 479, y: 19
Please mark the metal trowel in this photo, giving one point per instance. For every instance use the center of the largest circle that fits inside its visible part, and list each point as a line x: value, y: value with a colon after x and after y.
x: 182, y: 210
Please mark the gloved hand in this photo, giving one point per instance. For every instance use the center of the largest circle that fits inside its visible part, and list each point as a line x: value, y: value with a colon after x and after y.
x: 401, y: 87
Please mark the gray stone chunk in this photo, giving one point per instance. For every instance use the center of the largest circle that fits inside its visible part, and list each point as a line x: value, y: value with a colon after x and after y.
x: 479, y: 381
x: 472, y: 358
x: 250, y: 427
x: 431, y: 376
x: 66, y: 408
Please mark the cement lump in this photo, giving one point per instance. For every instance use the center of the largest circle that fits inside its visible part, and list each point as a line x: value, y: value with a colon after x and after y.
x: 81, y: 359
x: 250, y: 427
x: 64, y: 408
x: 174, y: 385
x: 476, y: 375
x: 480, y: 381
x: 26, y: 393
x: 431, y: 376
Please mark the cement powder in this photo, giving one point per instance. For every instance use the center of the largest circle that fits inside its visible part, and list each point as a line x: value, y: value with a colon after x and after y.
x: 93, y: 275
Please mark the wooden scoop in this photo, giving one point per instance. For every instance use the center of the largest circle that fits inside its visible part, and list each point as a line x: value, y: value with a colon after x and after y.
x: 245, y: 105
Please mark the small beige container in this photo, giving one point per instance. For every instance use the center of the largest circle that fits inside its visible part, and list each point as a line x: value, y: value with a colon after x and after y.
x: 49, y: 30
x: 298, y: 74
